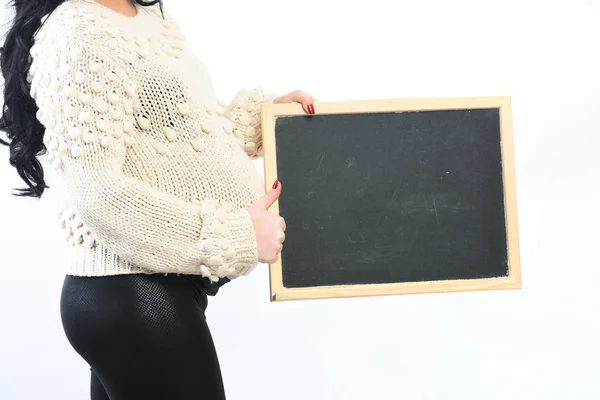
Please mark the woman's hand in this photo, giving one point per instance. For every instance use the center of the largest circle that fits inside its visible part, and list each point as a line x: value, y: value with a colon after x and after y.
x: 268, y: 226
x: 297, y: 96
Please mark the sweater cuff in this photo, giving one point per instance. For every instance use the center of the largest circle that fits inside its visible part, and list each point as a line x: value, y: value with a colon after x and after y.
x: 227, y: 242
x: 245, y: 114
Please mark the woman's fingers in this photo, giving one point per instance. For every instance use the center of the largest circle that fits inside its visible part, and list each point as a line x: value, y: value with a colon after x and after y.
x: 306, y: 100
x: 282, y: 223
x: 298, y: 96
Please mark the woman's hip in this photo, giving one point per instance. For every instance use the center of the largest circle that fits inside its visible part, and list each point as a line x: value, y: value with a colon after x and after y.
x: 145, y: 336
x: 147, y: 308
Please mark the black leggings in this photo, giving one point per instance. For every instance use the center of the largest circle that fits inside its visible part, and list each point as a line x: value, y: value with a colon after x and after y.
x: 144, y: 336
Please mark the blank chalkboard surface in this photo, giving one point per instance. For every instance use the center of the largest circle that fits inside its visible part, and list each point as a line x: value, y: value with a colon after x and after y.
x: 391, y: 197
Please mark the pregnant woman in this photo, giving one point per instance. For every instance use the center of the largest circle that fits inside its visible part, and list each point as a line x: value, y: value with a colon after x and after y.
x: 164, y: 202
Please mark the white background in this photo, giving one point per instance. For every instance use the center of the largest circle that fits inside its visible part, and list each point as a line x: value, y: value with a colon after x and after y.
x: 538, y: 343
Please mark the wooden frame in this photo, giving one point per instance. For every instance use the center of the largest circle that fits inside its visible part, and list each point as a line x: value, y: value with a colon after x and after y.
x: 512, y: 281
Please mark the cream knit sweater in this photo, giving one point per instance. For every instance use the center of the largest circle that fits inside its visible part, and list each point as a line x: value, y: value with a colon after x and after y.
x: 158, y: 169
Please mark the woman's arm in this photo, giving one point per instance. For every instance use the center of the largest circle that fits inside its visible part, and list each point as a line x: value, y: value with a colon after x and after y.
x: 87, y: 104
x: 245, y: 113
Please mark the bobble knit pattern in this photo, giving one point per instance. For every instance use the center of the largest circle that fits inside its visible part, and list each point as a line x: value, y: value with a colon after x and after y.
x: 158, y: 169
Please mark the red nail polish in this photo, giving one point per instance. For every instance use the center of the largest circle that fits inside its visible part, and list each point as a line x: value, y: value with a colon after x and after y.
x: 311, y: 108
x: 275, y: 184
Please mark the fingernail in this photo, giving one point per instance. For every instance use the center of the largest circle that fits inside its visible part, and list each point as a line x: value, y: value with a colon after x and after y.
x: 275, y: 184
x: 311, y: 109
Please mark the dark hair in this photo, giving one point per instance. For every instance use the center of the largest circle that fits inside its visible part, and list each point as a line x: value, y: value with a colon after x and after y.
x: 18, y: 120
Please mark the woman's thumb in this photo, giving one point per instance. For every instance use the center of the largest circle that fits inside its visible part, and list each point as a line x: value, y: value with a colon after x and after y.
x: 265, y: 202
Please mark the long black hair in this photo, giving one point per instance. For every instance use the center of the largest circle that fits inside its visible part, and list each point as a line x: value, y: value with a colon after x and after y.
x: 18, y: 120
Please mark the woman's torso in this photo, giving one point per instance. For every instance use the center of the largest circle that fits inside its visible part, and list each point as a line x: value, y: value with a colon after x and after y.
x: 186, y: 148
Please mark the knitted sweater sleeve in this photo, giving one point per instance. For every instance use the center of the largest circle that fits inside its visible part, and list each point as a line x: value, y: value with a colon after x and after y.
x: 89, y: 105
x: 245, y: 113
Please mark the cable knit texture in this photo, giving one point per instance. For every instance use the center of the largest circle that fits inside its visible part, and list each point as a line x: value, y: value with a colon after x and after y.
x: 158, y: 170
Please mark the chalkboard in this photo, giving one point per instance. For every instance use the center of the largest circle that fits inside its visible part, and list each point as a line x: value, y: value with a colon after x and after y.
x: 391, y: 197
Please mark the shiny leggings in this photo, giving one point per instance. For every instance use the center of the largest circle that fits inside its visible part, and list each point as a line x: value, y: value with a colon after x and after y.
x: 144, y: 336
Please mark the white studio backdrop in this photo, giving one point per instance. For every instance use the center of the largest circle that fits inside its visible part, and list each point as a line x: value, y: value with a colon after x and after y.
x: 537, y: 343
